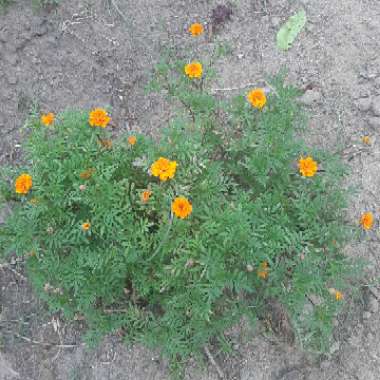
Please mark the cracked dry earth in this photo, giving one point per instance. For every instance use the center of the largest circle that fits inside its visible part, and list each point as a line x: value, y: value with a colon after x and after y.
x: 100, y: 52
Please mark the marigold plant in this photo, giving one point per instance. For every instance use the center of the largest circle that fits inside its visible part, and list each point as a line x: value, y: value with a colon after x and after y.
x: 196, y: 29
x: 366, y: 220
x: 99, y: 117
x: 172, y: 241
x: 23, y: 183
x: 132, y: 140
x: 47, y: 119
x: 257, y: 98
x: 163, y: 168
x: 194, y: 70
x: 181, y: 207
x: 307, y: 166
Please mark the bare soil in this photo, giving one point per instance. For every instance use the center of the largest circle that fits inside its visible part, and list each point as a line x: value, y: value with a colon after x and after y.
x: 100, y: 52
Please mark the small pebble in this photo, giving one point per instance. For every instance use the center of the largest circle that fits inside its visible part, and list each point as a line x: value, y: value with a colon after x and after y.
x: 376, y: 106
x: 310, y: 97
x: 366, y: 315
x: 364, y: 104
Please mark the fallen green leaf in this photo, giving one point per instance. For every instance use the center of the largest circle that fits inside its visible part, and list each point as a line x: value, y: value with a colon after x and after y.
x: 290, y: 30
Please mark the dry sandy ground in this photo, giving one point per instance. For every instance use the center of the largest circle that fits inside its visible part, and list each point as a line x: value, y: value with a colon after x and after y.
x: 100, y: 52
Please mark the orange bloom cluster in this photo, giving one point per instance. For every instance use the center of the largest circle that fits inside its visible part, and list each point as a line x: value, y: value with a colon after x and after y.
x: 145, y: 195
x: 132, y: 140
x: 98, y: 118
x: 86, y: 226
x: 47, y: 119
x: 163, y: 168
x: 338, y: 295
x: 194, y: 70
x: 307, y: 166
x: 257, y: 98
x: 196, y: 29
x: 181, y: 207
x: 23, y: 183
x: 263, y: 270
x: 367, y: 220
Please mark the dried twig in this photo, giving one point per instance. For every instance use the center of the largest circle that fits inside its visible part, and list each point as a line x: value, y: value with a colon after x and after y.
x: 47, y: 344
x: 214, y: 90
x: 121, y: 14
x: 214, y: 363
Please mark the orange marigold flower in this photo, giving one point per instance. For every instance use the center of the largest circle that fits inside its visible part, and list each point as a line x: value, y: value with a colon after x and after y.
x: 181, y: 207
x: 257, y: 98
x: 367, y: 220
x: 145, y: 195
x: 87, y: 174
x: 263, y: 270
x: 194, y: 70
x: 163, y: 168
x: 99, y: 118
x: 196, y: 29
x: 105, y: 143
x: 47, y: 119
x: 366, y: 140
x: 86, y: 226
x: 338, y: 295
x: 132, y: 140
x: 23, y: 183
x: 307, y: 166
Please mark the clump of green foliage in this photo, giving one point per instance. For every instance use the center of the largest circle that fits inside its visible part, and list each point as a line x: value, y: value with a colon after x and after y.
x: 178, y: 283
x: 5, y: 3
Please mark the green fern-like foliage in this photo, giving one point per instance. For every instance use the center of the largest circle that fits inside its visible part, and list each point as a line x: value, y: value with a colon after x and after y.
x: 258, y: 229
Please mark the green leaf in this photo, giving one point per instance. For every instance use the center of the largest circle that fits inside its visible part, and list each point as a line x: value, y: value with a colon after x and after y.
x: 290, y: 30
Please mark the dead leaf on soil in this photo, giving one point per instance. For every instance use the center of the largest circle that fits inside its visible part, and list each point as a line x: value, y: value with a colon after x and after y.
x: 290, y: 30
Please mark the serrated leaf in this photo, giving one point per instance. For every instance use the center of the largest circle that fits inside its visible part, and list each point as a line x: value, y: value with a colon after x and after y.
x: 290, y: 30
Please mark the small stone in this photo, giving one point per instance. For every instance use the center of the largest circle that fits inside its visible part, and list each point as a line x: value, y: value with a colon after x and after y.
x: 334, y: 347
x: 315, y: 299
x: 376, y: 106
x: 374, y: 122
x: 310, y: 97
x: 12, y: 79
x: 364, y: 104
x: 373, y: 305
x: 275, y: 21
x: 325, y: 364
x: 366, y: 315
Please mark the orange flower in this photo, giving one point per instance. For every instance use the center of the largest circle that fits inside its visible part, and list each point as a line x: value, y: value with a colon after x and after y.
x: 194, y: 70
x: 105, y: 143
x: 196, y: 29
x: 263, y: 270
x: 257, y: 98
x: 163, y: 168
x: 307, y: 166
x: 86, y: 226
x: 145, y: 195
x: 338, y: 295
x: 87, y: 174
x: 23, y: 183
x: 181, y: 207
x: 47, y: 119
x: 132, y: 140
x: 366, y: 140
x: 99, y: 118
x: 366, y: 220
